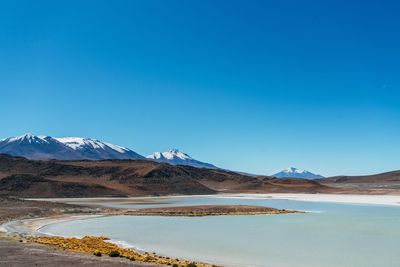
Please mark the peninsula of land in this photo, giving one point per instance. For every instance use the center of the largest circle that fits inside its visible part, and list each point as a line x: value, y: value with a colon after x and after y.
x: 209, y: 210
x: 22, y: 219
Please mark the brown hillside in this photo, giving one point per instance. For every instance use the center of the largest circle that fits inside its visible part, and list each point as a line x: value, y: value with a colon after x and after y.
x: 28, y: 178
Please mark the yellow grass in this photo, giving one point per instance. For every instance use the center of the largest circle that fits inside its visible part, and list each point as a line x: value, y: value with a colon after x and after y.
x: 93, y: 244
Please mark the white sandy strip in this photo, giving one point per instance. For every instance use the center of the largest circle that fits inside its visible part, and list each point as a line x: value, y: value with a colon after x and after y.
x: 392, y: 200
x: 336, y: 198
x: 33, y: 226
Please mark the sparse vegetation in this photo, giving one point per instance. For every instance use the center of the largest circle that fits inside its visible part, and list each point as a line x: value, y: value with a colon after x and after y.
x: 209, y: 210
x: 99, y: 246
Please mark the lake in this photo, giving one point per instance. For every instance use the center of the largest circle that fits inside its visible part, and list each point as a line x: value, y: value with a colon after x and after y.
x: 328, y: 235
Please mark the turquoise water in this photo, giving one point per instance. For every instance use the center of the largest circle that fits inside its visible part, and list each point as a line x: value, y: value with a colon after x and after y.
x: 330, y: 235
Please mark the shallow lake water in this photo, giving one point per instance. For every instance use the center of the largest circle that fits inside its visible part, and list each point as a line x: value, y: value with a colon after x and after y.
x: 328, y: 235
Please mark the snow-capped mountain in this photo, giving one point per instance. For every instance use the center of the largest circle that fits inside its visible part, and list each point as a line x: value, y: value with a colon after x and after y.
x: 36, y: 147
x: 176, y: 157
x: 68, y: 148
x: 297, y: 173
x: 94, y: 149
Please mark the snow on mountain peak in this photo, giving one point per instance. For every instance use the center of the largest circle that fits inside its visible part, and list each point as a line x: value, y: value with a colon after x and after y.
x: 120, y: 149
x: 65, y: 148
x: 176, y: 157
x: 170, y: 155
x: 294, y: 170
x: 297, y: 173
x: 78, y: 143
x: 155, y: 155
x: 176, y: 153
x: 28, y: 137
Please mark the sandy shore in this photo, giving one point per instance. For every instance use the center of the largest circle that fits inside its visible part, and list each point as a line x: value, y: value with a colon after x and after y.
x: 33, y: 226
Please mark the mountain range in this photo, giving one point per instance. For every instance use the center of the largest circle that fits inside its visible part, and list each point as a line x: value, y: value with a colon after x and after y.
x: 94, y: 178
x: 68, y: 148
x: 297, y: 173
x: 40, y: 147
x: 87, y: 167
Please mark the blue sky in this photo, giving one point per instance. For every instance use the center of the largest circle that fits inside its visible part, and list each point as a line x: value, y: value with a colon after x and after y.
x: 255, y: 86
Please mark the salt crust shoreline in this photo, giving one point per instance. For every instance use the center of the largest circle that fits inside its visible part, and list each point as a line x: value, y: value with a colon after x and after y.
x: 390, y: 200
x: 33, y: 226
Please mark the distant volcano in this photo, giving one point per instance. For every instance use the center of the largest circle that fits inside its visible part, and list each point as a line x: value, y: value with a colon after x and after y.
x: 176, y: 157
x: 297, y: 173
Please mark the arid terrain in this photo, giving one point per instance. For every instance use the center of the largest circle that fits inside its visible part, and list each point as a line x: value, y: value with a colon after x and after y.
x: 17, y: 254
x: 26, y: 178
x: 382, y: 183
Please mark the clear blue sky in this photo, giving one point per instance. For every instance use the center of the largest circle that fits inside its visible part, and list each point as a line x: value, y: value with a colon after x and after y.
x: 255, y: 86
